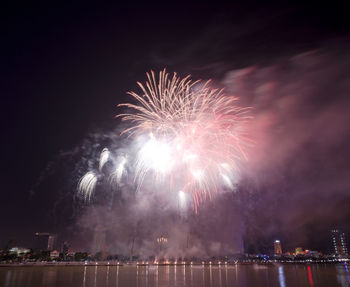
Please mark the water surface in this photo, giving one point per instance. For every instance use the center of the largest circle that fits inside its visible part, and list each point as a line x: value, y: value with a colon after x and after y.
x: 118, y: 276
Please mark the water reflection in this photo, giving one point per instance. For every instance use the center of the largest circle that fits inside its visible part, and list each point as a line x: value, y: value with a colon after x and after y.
x: 309, y: 274
x: 107, y: 276
x: 8, y: 278
x: 267, y: 276
x: 117, y: 277
x: 211, y: 276
x: 203, y: 271
x: 95, y: 281
x: 147, y: 277
x: 184, y: 274
x: 347, y: 273
x: 281, y: 278
x: 49, y: 277
x: 220, y: 277
x: 236, y: 268
x: 343, y: 275
x: 137, y: 276
x: 84, y: 277
x: 179, y: 276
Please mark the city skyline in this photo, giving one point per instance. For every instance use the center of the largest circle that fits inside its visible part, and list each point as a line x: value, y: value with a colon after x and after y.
x: 46, y: 241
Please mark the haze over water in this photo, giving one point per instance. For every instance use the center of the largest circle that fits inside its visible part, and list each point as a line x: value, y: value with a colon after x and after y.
x: 239, y: 275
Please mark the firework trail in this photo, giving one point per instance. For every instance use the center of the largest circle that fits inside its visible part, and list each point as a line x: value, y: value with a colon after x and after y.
x: 86, y: 186
x: 104, y: 157
x: 120, y: 170
x: 193, y: 132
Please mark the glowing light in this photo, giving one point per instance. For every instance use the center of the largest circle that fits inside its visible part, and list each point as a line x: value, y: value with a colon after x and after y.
x: 182, y: 199
x: 182, y: 195
x: 86, y: 186
x: 162, y: 240
x: 198, y: 174
x: 156, y: 154
x: 311, y: 282
x: 192, y: 130
x: 189, y: 157
x: 120, y: 170
x: 104, y: 157
x: 281, y: 277
x: 227, y: 180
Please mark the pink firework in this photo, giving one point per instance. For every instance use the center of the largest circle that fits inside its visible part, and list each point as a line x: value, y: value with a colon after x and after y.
x: 195, y: 134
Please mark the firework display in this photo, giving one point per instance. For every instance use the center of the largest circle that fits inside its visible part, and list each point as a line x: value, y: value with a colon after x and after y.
x: 87, y: 184
x: 189, y: 135
x: 120, y: 170
x: 104, y: 157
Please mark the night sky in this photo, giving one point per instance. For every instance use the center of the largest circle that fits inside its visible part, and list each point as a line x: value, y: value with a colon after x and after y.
x: 65, y: 67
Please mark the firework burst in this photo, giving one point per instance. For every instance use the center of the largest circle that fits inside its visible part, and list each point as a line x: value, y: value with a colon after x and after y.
x: 194, y: 134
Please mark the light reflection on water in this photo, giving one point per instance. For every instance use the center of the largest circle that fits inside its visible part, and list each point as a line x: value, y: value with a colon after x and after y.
x: 343, y: 275
x: 193, y: 276
x: 309, y: 273
x: 281, y: 277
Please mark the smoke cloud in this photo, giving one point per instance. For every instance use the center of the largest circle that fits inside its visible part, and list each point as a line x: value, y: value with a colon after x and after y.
x: 298, y: 170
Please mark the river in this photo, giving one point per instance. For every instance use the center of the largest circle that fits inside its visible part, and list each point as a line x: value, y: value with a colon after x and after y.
x: 159, y: 276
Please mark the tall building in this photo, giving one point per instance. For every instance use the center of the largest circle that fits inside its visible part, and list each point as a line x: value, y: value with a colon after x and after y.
x: 277, y: 247
x: 339, y: 243
x: 45, y: 241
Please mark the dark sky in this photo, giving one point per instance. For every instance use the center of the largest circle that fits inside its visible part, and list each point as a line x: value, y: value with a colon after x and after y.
x: 65, y: 67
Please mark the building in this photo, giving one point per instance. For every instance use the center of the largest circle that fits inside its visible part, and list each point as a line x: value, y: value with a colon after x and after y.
x: 54, y: 254
x: 65, y: 249
x: 19, y: 251
x: 45, y: 241
x: 310, y: 253
x: 339, y: 242
x: 277, y: 248
x: 299, y: 251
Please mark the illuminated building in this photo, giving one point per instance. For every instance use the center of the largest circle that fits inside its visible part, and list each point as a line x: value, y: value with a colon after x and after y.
x: 339, y: 243
x: 45, y: 241
x: 311, y: 253
x: 19, y: 251
x: 54, y: 254
x: 299, y: 251
x: 277, y: 247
